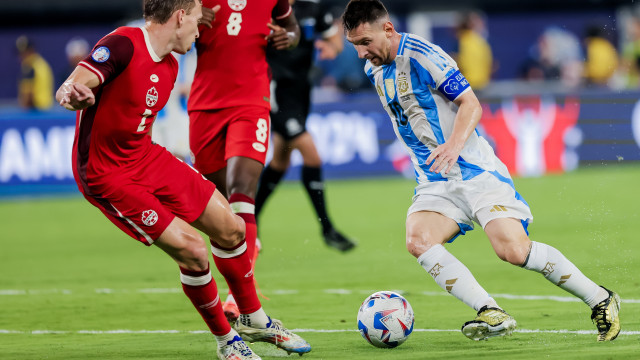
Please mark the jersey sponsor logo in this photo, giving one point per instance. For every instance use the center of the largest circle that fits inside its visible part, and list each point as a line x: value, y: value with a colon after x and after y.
x: 259, y: 147
x: 237, y: 5
x: 149, y: 217
x: 403, y: 84
x: 390, y: 87
x: 152, y: 97
x: 101, y: 54
x: 154, y: 78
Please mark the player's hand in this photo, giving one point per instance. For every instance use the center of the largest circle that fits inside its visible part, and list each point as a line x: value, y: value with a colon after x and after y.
x: 279, y: 38
x: 444, y: 157
x: 326, y: 50
x: 208, y: 15
x: 76, y: 96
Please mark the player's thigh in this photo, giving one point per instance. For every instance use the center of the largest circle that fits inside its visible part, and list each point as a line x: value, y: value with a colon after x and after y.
x: 248, y: 133
x: 243, y: 174
x: 281, y: 152
x: 185, y: 245
x: 428, y: 228
x: 220, y: 223
x: 509, y: 239
x: 304, y: 143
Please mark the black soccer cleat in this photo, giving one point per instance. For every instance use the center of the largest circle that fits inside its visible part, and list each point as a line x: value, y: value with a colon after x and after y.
x: 336, y: 240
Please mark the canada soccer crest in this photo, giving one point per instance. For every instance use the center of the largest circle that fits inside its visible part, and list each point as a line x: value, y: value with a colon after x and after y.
x: 237, y: 5
x: 152, y: 97
x: 149, y: 217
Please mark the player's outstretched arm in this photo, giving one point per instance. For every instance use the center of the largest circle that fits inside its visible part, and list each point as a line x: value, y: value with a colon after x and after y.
x: 467, y: 118
x: 75, y: 93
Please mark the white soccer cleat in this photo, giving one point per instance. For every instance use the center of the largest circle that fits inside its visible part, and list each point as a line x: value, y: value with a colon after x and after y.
x: 490, y: 322
x: 275, y: 333
x: 236, y: 349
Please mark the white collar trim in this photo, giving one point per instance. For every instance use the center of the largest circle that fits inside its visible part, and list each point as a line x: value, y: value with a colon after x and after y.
x: 153, y: 54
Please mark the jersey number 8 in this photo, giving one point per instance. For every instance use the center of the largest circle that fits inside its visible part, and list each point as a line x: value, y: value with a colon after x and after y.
x: 233, y: 27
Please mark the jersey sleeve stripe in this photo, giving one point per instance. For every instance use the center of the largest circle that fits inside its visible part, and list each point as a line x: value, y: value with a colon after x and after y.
x: 426, y: 55
x: 286, y: 14
x: 432, y: 54
x: 89, y: 67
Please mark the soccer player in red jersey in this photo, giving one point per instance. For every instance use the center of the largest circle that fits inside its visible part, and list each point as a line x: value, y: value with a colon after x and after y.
x: 152, y: 196
x: 229, y: 101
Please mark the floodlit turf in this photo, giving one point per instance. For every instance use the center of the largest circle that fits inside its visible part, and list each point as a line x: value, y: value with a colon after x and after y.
x: 66, y: 269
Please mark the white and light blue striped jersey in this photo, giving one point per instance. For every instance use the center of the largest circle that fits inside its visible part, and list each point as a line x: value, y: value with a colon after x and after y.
x: 417, y: 90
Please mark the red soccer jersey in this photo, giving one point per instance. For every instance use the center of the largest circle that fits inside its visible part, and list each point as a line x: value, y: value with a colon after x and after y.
x: 112, y: 138
x: 232, y: 68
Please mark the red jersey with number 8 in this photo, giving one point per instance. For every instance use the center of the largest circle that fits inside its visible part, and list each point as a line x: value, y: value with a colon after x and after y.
x: 134, y: 85
x: 232, y: 68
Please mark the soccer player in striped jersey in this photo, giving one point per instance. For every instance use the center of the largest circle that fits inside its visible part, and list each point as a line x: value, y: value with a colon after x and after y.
x: 460, y: 180
x: 148, y: 193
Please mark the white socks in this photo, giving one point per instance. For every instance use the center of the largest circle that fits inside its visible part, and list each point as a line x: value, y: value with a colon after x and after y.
x: 224, y: 339
x: 451, y: 275
x: 257, y: 319
x: 556, y: 268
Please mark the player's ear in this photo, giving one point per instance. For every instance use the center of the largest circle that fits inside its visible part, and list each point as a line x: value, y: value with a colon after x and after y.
x: 180, y: 16
x: 388, y: 28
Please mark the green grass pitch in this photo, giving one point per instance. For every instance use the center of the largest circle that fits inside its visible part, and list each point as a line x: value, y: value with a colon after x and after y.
x: 72, y: 286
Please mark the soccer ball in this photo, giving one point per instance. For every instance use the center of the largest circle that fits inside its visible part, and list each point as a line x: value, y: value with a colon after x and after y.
x: 385, y: 319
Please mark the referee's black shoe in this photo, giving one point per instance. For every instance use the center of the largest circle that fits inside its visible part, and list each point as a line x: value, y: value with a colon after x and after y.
x: 336, y: 240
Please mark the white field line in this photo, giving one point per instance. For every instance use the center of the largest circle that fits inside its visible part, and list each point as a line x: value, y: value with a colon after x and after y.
x: 112, y: 332
x: 17, y: 292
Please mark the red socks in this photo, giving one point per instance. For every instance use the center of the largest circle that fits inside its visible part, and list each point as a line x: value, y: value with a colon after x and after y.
x: 234, y: 265
x: 201, y: 289
x: 244, y: 206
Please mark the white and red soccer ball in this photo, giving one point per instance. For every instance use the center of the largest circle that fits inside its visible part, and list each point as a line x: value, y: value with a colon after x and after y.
x: 385, y: 319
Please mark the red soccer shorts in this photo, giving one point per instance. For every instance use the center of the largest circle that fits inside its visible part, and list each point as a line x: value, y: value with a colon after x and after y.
x: 216, y: 136
x: 143, y: 204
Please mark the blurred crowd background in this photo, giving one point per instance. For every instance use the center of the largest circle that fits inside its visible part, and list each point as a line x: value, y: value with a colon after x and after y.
x: 559, y: 81
x: 561, y: 45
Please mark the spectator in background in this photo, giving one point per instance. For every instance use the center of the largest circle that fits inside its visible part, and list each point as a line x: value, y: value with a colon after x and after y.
x: 602, y: 58
x: 35, y: 88
x: 474, y: 56
x: 76, y: 50
x: 631, y: 54
x: 557, y: 55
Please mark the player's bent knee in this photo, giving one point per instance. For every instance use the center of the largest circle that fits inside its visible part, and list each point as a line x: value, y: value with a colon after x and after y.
x: 513, y: 255
x: 418, y: 245
x: 194, y: 255
x: 232, y: 234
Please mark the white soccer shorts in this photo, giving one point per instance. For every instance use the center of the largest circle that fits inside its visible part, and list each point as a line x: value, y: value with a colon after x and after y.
x: 486, y: 197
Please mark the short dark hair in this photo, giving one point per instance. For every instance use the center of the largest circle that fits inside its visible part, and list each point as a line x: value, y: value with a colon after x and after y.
x: 160, y: 11
x: 360, y: 12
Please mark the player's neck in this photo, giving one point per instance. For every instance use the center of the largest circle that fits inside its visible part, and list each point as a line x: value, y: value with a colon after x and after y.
x: 395, y: 44
x: 159, y: 38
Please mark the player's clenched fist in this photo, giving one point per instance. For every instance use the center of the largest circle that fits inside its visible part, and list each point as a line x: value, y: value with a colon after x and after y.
x: 279, y: 38
x: 75, y: 96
